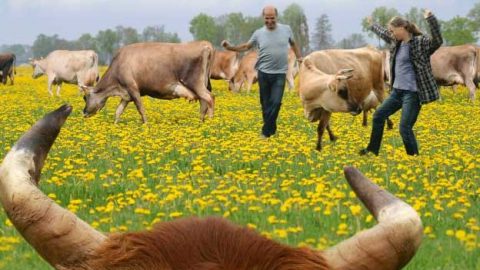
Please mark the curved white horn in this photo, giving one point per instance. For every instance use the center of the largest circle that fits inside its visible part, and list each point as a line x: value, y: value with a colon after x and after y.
x: 388, y: 245
x: 59, y: 236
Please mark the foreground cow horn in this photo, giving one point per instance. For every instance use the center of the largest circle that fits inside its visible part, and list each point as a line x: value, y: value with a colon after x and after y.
x: 390, y: 244
x: 58, y: 235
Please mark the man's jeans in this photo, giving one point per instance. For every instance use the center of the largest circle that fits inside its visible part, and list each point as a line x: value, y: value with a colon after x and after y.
x: 409, y: 102
x: 271, y: 93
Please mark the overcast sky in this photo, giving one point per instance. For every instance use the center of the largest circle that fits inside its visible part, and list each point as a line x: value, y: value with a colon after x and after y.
x: 21, y: 21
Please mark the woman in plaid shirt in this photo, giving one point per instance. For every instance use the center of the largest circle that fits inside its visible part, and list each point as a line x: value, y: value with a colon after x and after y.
x: 411, y: 78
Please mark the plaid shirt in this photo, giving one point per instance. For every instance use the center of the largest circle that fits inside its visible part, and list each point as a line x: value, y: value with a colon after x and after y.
x: 421, y: 48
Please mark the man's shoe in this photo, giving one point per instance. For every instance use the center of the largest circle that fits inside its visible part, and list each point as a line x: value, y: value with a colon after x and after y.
x: 365, y: 151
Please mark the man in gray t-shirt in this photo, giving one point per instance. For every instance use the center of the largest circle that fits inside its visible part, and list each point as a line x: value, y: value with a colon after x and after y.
x: 272, y: 42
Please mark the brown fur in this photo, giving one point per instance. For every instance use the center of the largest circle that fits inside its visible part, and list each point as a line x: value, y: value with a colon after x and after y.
x: 201, y: 244
x: 225, y: 65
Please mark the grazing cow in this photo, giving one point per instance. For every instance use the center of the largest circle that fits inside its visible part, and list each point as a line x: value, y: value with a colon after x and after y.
x: 455, y: 65
x: 67, y: 242
x: 7, y: 67
x: 74, y: 67
x: 225, y: 65
x: 247, y: 74
x: 340, y: 81
x: 159, y: 70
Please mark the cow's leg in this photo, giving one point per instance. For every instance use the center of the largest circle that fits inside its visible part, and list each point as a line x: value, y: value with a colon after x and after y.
x: 290, y: 81
x: 11, y: 77
x: 50, y: 82
x: 322, y: 124
x: 471, y: 87
x: 138, y: 103
x: 365, y: 118
x: 121, y: 107
x: 330, y: 133
x: 207, y: 102
x: 59, y: 85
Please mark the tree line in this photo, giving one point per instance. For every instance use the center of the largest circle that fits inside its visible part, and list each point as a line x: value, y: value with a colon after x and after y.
x: 237, y: 28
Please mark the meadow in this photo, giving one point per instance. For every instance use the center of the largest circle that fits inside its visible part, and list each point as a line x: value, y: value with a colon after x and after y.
x: 128, y: 176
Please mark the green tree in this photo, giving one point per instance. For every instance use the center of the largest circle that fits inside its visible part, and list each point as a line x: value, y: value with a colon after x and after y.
x: 294, y: 16
x: 415, y: 15
x: 203, y: 27
x: 474, y: 16
x: 458, y: 31
x: 158, y: 34
x: 126, y: 35
x: 381, y: 16
x: 44, y: 44
x: 353, y: 41
x: 22, y: 52
x: 86, y: 42
x: 107, y: 43
x: 322, y: 37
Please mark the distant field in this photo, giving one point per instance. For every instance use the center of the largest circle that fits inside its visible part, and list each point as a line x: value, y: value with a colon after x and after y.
x: 129, y: 176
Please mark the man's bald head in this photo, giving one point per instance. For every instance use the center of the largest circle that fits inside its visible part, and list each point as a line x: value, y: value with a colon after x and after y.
x: 271, y: 10
x: 270, y: 17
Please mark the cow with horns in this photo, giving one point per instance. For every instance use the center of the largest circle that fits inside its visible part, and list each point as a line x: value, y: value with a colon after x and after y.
x: 67, y: 242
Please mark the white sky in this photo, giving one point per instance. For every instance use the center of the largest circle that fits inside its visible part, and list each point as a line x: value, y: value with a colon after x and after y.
x: 21, y: 21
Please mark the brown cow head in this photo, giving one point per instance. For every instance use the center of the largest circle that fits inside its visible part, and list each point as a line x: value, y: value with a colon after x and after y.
x: 340, y: 85
x: 66, y: 242
x: 94, y: 100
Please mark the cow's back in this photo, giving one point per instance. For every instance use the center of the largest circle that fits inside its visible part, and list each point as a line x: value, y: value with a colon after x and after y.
x: 154, y: 67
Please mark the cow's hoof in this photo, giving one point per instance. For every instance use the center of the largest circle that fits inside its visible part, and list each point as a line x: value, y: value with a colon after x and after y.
x: 318, y: 148
x: 333, y: 138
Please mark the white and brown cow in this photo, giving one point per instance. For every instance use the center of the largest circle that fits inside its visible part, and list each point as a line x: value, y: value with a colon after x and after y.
x: 159, y: 70
x: 225, y: 65
x: 62, y: 66
x: 246, y: 74
x: 340, y: 81
x: 66, y: 242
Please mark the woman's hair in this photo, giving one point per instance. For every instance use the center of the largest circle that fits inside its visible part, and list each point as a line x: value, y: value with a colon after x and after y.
x: 402, y: 22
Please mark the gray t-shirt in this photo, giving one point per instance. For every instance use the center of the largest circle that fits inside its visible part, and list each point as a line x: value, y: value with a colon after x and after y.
x: 405, y: 78
x: 273, y: 46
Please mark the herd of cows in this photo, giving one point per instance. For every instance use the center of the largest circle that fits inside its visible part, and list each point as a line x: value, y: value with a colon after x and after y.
x: 329, y: 80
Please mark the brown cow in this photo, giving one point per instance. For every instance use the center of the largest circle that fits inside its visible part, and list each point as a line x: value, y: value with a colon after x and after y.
x: 67, y: 242
x: 159, y: 70
x: 455, y: 65
x: 247, y: 74
x: 340, y: 81
x: 225, y: 65
x: 7, y: 67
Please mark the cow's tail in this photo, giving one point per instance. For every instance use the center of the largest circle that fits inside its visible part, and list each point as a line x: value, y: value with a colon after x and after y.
x: 14, y: 65
x: 476, y: 68
x: 308, y: 64
x: 95, y: 67
x: 208, y: 56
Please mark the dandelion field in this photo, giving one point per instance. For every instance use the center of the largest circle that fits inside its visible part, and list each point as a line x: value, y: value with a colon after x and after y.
x: 129, y: 176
